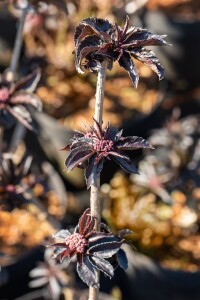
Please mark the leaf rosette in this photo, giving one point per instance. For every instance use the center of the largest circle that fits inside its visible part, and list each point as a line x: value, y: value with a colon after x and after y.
x: 93, y: 249
x: 97, y: 39
x: 91, y: 149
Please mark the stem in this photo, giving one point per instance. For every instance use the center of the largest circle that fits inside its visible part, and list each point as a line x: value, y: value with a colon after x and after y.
x: 18, y: 42
x: 20, y: 130
x: 94, y: 192
x: 1, y: 141
x: 98, y: 113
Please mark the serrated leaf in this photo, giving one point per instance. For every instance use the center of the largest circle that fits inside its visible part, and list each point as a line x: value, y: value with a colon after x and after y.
x: 100, y: 26
x: 126, y: 62
x: 81, y: 31
x: 105, y: 250
x: 87, y: 45
x: 92, y: 171
x: 132, y: 143
x: 102, y: 265
x: 101, y: 237
x: 81, y: 143
x: 127, y: 166
x: 87, y: 272
x: 77, y: 156
x: 140, y: 37
x: 149, y: 58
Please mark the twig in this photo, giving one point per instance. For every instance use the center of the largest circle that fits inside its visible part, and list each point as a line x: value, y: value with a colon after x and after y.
x: 20, y: 130
x: 18, y: 42
x: 94, y: 192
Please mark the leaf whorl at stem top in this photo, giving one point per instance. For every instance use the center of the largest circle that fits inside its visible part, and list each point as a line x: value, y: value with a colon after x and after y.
x: 95, y: 250
x: 90, y: 150
x: 96, y: 39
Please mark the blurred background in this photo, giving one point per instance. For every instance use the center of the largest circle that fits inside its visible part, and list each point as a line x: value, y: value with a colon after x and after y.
x: 161, y: 205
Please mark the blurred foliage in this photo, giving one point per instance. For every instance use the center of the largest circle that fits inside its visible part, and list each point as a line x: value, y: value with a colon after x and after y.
x: 161, y: 205
x: 52, y: 40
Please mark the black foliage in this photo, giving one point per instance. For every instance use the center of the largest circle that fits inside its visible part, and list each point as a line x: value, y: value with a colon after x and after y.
x: 91, y: 149
x: 92, y: 248
x: 14, y: 98
x: 96, y: 39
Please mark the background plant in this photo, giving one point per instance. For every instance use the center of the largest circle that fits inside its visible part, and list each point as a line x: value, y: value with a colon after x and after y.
x: 45, y: 195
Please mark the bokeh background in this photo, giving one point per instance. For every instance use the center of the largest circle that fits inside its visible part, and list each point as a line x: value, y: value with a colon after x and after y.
x: 161, y: 205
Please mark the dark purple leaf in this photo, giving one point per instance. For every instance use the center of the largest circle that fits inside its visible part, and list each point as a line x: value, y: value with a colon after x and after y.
x: 87, y: 45
x: 26, y: 123
x: 97, y: 128
x: 96, y: 236
x: 92, y: 171
x: 77, y: 156
x: 81, y: 143
x: 148, y: 58
x: 86, y: 223
x: 122, y: 259
x: 140, y: 37
x: 106, y: 249
x: 100, y: 26
x: 127, y: 166
x: 81, y: 32
x: 102, y: 265
x: 126, y: 62
x: 84, y: 219
x: 64, y: 254
x: 29, y: 83
x: 87, y: 272
x: 110, y: 133
x: 107, y: 51
x: 102, y: 238
x: 118, y: 135
x: 132, y: 143
x: 25, y: 98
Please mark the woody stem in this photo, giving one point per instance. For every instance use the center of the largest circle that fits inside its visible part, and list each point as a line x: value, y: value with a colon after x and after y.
x: 94, y: 192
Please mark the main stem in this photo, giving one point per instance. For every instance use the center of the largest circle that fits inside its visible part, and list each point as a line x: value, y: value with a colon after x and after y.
x: 94, y: 192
